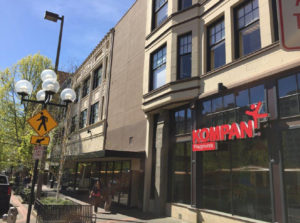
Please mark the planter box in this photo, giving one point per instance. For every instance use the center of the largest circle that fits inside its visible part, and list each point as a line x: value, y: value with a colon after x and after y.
x: 79, y: 212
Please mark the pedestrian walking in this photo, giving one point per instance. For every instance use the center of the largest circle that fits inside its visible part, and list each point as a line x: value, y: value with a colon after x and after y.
x: 96, y: 195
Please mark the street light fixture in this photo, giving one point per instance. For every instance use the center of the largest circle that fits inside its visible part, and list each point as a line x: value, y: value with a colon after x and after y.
x: 50, y: 87
x: 51, y: 16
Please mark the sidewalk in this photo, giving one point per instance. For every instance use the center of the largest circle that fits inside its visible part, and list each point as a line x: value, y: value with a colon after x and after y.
x: 15, y: 201
x: 131, y: 215
x: 117, y: 215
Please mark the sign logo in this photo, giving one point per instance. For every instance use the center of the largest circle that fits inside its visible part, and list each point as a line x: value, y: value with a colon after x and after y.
x: 289, y: 19
x: 205, y: 139
x: 42, y: 123
x: 40, y: 140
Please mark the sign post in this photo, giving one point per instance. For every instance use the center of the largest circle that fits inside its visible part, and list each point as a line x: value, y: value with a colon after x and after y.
x: 289, y: 20
x: 42, y: 123
x: 37, y: 154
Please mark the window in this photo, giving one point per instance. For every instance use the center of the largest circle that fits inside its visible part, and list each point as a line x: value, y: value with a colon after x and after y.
x: 289, y: 95
x: 183, y: 4
x: 73, y: 124
x: 158, y: 74
x: 94, y: 113
x: 160, y: 14
x: 291, y: 173
x: 86, y: 87
x: 239, y: 169
x: 184, y: 56
x: 275, y: 20
x: 97, y: 77
x: 216, y: 45
x: 231, y: 107
x: 181, y: 173
x: 77, y: 91
x: 183, y: 121
x: 82, y: 121
x: 247, y: 28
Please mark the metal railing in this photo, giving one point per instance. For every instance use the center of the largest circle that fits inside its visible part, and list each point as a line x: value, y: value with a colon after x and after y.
x: 76, y: 213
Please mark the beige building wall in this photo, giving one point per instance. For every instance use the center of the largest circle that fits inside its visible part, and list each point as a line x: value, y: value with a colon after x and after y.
x: 91, y: 138
x: 236, y: 71
x: 126, y: 120
x: 271, y: 59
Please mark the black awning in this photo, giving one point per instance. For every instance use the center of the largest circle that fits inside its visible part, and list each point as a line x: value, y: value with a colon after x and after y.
x: 106, y: 153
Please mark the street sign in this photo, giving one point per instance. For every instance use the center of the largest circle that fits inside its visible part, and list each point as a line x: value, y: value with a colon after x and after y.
x: 289, y: 20
x: 38, y: 152
x: 42, y: 123
x: 40, y: 140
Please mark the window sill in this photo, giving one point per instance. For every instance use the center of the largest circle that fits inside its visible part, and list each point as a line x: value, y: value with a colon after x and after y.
x: 241, y: 59
x: 161, y: 88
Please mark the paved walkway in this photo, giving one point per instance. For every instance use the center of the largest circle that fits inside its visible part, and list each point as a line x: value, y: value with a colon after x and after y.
x: 118, y: 215
x: 15, y: 201
x: 131, y: 215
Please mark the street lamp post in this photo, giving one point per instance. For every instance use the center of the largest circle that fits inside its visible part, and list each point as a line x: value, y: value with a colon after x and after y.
x: 54, y: 17
x: 50, y: 87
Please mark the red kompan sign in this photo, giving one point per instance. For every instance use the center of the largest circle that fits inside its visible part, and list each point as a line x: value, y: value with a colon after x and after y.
x: 205, y: 139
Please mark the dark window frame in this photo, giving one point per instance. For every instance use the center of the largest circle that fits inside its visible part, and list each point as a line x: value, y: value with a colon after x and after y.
x: 297, y: 94
x: 151, y: 65
x: 96, y: 79
x: 156, y: 11
x: 83, y: 119
x: 94, y: 113
x: 185, y: 121
x: 73, y: 124
x: 180, y: 5
x: 185, y: 54
x: 210, y: 47
x: 201, y: 117
x: 77, y: 92
x: 275, y: 20
x: 85, y: 87
x: 188, y: 168
x: 237, y: 30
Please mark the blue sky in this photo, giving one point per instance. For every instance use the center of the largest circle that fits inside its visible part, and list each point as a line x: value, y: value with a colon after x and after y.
x: 24, y: 30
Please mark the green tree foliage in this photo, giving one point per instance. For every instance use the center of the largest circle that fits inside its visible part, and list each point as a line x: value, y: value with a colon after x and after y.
x: 15, y: 133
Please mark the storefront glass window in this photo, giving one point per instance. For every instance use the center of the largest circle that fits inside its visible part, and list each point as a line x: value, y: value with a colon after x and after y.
x: 231, y: 108
x: 217, y: 104
x: 291, y: 163
x: 235, y: 178
x: 183, y: 121
x: 181, y: 173
x: 250, y: 179
x: 288, y: 96
x: 215, y: 184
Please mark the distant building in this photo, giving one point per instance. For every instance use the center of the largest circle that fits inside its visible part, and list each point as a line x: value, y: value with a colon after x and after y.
x: 107, y: 127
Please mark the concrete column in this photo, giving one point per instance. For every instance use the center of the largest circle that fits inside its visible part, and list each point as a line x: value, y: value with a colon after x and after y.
x: 161, y: 168
x: 148, y: 162
x: 229, y: 35
x: 265, y: 22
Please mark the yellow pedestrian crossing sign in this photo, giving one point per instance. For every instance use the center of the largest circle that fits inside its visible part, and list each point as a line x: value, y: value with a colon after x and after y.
x: 42, y: 122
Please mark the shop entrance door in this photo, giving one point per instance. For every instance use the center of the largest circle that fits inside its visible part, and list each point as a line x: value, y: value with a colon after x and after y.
x: 291, y: 172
